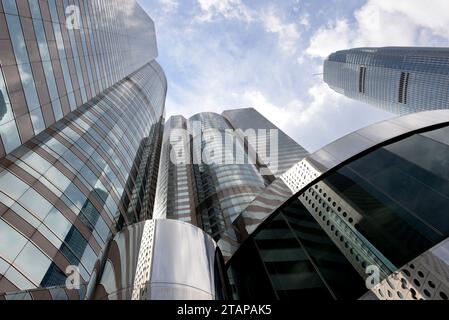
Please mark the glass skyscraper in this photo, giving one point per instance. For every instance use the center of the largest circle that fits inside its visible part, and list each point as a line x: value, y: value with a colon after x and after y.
x: 82, y: 112
x: 399, y: 80
x: 289, y: 152
x: 210, y: 189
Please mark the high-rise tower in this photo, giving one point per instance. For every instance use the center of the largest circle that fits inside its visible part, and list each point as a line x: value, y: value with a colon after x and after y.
x: 399, y: 80
x: 288, y: 152
x: 81, y: 111
x: 212, y: 166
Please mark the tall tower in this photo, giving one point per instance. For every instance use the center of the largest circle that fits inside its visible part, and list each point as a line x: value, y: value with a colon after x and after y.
x: 289, y: 152
x: 81, y: 110
x: 399, y: 80
x: 212, y: 167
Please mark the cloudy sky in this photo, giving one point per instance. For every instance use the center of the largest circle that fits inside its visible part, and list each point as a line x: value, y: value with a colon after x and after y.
x: 227, y: 54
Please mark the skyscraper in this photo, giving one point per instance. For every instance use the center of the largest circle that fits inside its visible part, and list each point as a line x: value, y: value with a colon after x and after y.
x: 210, y: 187
x: 289, y: 152
x: 399, y: 80
x: 82, y: 110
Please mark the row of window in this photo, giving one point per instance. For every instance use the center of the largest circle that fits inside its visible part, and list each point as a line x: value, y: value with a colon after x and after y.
x: 68, y: 183
x: 60, y: 68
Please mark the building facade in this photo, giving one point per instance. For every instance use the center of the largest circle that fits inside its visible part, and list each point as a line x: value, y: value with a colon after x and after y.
x: 279, y: 158
x: 345, y: 213
x: 176, y: 192
x: 211, y: 169
x: 399, y: 80
x: 82, y: 109
x: 50, y: 67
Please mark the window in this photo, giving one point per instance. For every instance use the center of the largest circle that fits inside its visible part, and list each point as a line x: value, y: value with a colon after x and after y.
x: 11, y: 242
x: 362, y: 79
x: 8, y: 129
x: 34, y: 7
x: 36, y: 204
x: 10, y: 136
x: 403, y: 87
x: 33, y: 263
x: 11, y: 185
x: 17, y: 39
x: 3, y: 109
x: 10, y: 6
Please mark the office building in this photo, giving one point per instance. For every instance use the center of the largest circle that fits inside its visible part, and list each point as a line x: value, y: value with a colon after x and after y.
x: 399, y: 80
x: 82, y: 112
x: 208, y: 182
x: 288, y: 151
x: 370, y: 204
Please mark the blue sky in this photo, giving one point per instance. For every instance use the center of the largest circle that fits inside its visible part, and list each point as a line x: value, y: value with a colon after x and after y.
x: 226, y: 54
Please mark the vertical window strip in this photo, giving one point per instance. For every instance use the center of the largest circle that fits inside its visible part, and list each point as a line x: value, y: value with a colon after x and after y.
x: 76, y: 59
x: 86, y: 53
x: 8, y: 127
x: 45, y: 57
x: 93, y: 44
x: 62, y: 55
x: 25, y: 72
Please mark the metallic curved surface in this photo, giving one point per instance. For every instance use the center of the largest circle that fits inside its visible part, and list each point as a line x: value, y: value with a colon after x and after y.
x: 365, y: 196
x: 71, y: 184
x: 309, y: 171
x: 161, y: 260
x: 424, y: 278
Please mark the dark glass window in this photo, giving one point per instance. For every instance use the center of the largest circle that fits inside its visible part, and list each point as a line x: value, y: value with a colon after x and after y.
x: 385, y: 208
x: 3, y: 109
x: 292, y: 258
x: 402, y: 194
x: 53, y: 277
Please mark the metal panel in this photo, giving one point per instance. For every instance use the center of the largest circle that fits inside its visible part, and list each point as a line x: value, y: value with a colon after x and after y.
x: 183, y: 262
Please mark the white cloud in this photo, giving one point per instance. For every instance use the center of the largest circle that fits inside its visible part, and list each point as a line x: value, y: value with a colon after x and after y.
x: 169, y: 5
x: 228, y: 9
x: 288, y: 33
x: 256, y: 99
x: 433, y: 15
x: 329, y: 39
x: 269, y: 17
x: 384, y: 23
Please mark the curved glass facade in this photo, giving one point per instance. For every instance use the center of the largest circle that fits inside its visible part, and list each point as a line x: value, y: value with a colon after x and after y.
x: 65, y: 192
x: 49, y: 69
x: 380, y: 210
x: 175, y: 192
x: 223, y: 190
x: 400, y: 80
x: 211, y: 169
